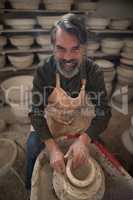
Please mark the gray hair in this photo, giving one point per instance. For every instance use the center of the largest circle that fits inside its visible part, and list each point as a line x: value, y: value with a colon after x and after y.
x: 71, y: 23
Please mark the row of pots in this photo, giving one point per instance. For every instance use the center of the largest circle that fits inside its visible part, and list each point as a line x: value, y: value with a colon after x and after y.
x: 48, y: 21
x: 23, y: 60
x: 112, y: 46
x: 34, y: 4
x: 109, y: 73
x: 25, y: 41
x: 108, y: 45
x: 58, y: 5
x: 100, y: 23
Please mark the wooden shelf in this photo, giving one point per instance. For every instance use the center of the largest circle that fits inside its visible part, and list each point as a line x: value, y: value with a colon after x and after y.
x: 13, y: 69
x: 31, y: 50
x: 25, y: 30
x: 110, y: 31
x: 99, y: 54
x: 41, y: 11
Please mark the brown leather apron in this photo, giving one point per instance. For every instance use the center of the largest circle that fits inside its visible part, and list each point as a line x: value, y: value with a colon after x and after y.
x: 65, y: 115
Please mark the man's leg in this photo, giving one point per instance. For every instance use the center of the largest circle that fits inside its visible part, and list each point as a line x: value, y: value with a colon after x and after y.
x: 34, y: 147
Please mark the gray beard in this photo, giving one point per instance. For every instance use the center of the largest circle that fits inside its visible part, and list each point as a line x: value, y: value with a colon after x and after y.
x: 67, y: 74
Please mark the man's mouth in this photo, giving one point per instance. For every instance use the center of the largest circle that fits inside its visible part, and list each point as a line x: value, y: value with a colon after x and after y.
x: 69, y: 65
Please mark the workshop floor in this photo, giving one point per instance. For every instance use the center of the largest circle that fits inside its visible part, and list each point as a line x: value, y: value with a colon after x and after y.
x: 112, y: 136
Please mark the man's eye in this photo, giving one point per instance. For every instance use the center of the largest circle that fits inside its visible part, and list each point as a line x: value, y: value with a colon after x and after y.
x: 60, y: 49
x: 76, y: 49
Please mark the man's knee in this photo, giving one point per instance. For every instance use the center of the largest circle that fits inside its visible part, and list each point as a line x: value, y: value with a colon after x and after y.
x: 34, y: 145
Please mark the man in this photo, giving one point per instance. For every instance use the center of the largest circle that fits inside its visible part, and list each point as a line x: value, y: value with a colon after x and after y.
x: 59, y: 87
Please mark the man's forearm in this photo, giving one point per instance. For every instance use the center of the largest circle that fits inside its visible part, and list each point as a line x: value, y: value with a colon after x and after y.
x: 51, y: 145
x: 98, y: 125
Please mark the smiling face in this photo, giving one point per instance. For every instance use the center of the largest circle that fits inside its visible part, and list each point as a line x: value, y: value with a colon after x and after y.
x: 68, y: 53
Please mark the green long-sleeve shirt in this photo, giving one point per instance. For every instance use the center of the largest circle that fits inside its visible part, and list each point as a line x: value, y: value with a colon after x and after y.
x: 44, y: 82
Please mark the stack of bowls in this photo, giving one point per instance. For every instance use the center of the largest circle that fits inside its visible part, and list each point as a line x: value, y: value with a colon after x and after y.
x: 42, y: 56
x: 111, y: 46
x: 125, y: 70
x: 21, y: 61
x: 22, y: 41
x: 3, y: 41
x: 120, y: 24
x: 125, y: 78
x: 92, y: 47
x: 58, y: 5
x: 20, y: 23
x: 44, y: 41
x: 85, y: 6
x: 25, y: 5
x: 128, y: 46
x: 127, y: 138
x: 109, y: 73
x: 97, y: 23
x: 47, y: 22
x: 2, y: 61
x: 17, y: 92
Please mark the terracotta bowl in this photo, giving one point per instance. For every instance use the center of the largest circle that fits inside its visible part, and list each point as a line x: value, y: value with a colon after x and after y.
x: 120, y: 24
x: 97, y: 23
x: 86, y: 6
x: 47, y: 21
x: 25, y: 5
x: 58, y: 6
x: 43, y: 40
x: 21, y: 61
x: 112, y: 43
x: 42, y: 56
x: 22, y: 41
x: 92, y: 45
x: 20, y: 23
x: 16, y: 88
x: 104, y: 64
x: 110, y: 51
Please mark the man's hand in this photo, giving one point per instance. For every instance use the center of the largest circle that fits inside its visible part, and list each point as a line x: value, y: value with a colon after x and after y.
x: 79, y: 151
x: 56, y: 156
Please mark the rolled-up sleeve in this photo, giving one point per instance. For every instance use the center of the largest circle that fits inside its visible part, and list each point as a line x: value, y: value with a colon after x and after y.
x: 96, y: 90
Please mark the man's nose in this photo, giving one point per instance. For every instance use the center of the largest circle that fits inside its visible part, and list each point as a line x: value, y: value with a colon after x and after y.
x: 68, y: 55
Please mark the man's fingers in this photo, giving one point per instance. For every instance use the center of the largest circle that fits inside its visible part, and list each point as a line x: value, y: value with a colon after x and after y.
x: 68, y: 154
x: 79, y: 160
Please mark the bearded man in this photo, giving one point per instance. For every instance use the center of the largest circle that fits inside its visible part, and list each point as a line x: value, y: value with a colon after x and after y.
x: 64, y: 85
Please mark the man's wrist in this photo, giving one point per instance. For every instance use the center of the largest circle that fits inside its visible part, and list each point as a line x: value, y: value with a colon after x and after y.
x: 51, y: 145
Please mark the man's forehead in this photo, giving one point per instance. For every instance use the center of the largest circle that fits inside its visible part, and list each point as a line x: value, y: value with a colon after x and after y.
x: 64, y: 37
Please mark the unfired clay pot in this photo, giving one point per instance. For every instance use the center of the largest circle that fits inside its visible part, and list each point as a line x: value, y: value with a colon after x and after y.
x: 85, y: 183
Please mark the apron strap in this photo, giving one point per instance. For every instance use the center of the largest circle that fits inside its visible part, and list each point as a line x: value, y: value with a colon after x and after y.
x: 82, y: 92
x: 57, y: 80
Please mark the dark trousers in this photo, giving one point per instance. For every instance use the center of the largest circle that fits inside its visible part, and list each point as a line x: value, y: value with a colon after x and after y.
x: 34, y: 147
